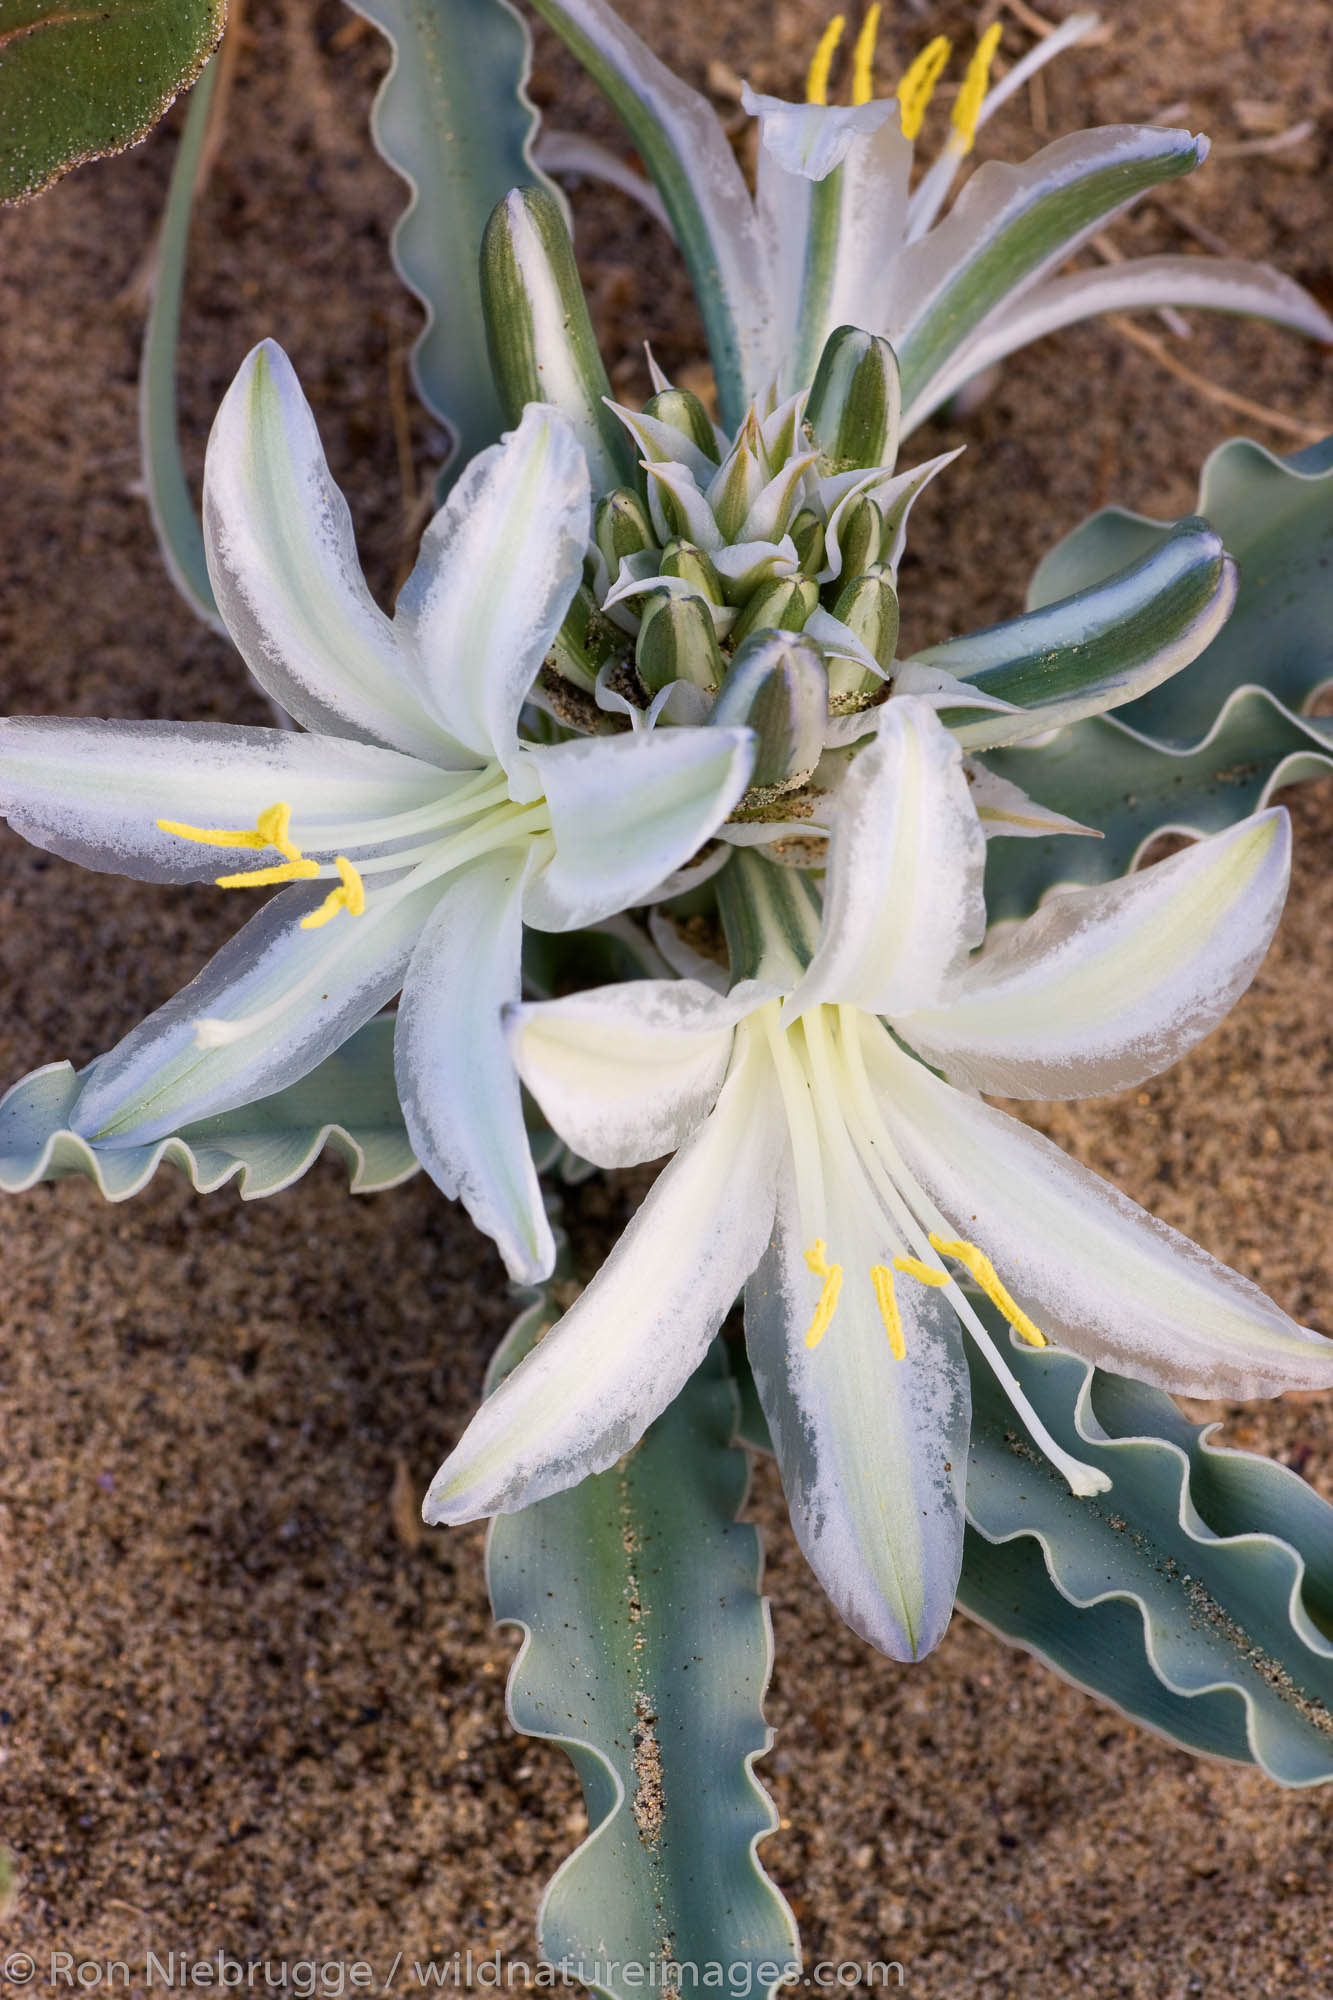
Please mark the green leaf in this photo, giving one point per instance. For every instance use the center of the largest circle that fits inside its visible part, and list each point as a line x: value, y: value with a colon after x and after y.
x: 681, y: 141
x: 1101, y: 645
x: 77, y: 82
x: 1196, y: 1596
x: 1275, y: 516
x: 1133, y: 788
x: 453, y: 117
x: 175, y: 515
x: 646, y: 1657
x: 348, y: 1103
x: 1008, y: 225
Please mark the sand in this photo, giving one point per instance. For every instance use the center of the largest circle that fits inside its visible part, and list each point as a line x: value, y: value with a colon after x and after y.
x: 246, y: 1705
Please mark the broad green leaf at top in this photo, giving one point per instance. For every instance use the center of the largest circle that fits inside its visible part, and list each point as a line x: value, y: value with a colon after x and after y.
x: 77, y: 82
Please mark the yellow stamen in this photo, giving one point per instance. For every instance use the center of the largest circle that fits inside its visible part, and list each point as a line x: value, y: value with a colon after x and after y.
x: 967, y: 104
x: 918, y: 85
x: 215, y: 836
x: 863, y: 57
x: 299, y: 870
x: 817, y: 1260
x: 983, y: 1271
x: 816, y: 81
x: 881, y: 1277
x: 350, y: 895
x: 925, y: 1274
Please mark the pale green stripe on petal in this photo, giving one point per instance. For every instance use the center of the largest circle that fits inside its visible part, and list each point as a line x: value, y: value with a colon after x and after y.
x: 1096, y: 1273
x: 1108, y: 985
x: 284, y: 569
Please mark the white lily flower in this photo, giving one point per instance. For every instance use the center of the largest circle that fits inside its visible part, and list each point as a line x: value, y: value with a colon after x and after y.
x: 847, y: 1186
x: 837, y: 235
x: 416, y: 831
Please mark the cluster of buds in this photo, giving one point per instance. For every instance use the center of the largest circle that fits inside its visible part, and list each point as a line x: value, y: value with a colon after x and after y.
x: 748, y: 579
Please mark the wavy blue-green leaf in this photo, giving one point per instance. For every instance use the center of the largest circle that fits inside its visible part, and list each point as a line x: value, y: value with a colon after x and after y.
x: 646, y: 1655
x: 1108, y: 775
x: 1275, y: 516
x: 1101, y: 645
x: 77, y: 82
x: 681, y: 142
x: 453, y: 117
x: 1195, y: 1596
x: 348, y: 1104
x: 172, y: 507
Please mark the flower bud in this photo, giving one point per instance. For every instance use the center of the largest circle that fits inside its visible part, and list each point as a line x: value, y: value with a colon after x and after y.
x: 855, y: 403
x: 585, y: 641
x: 807, y: 531
x: 686, y: 414
x: 868, y: 606
x: 776, y: 684
x: 743, y: 477
x: 860, y: 538
x: 541, y: 342
x: 622, y: 527
x: 696, y: 566
x: 677, y: 643
x: 780, y: 606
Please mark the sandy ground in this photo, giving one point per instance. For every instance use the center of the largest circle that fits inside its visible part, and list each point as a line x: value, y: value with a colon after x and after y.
x: 243, y: 1710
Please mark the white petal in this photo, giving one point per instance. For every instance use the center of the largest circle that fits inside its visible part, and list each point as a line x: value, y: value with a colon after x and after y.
x: 628, y: 810
x: 902, y: 899
x: 1095, y: 1272
x: 1006, y: 810
x: 497, y: 569
x: 456, y: 1082
x: 625, y: 1073
x: 321, y: 986
x: 590, y: 1389
x: 283, y: 563
x: 873, y: 1451
x: 1108, y: 985
x: 812, y: 139
x: 1212, y: 284
x: 94, y: 791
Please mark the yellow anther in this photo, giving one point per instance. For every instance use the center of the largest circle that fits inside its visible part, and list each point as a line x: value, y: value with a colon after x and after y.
x: 274, y: 824
x: 350, y: 895
x: 983, y: 1271
x: 816, y: 80
x: 817, y: 1260
x: 925, y: 1274
x: 863, y: 57
x: 967, y: 104
x: 918, y: 85
x: 215, y: 836
x: 881, y: 1277
x: 271, y: 829
x: 299, y: 870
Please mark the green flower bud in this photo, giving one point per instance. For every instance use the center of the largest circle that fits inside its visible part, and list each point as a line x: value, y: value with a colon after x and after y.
x: 868, y: 606
x: 744, y: 475
x: 585, y: 642
x: 776, y: 684
x: 677, y: 643
x: 855, y: 402
x: 860, y: 537
x: 696, y: 566
x: 780, y: 606
x: 807, y: 531
x: 686, y: 414
x: 622, y: 526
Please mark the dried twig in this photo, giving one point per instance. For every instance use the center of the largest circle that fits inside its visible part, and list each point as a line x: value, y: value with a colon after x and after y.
x: 1259, y: 413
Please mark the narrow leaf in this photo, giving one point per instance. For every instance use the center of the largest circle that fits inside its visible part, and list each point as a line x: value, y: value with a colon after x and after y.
x: 347, y: 1103
x: 453, y: 117
x: 174, y: 511
x: 77, y: 82
x: 646, y: 1656
x: 1221, y: 1640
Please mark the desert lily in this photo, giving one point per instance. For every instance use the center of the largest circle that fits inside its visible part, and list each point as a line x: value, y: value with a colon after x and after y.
x: 836, y: 234
x: 858, y: 1195
x: 411, y: 828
